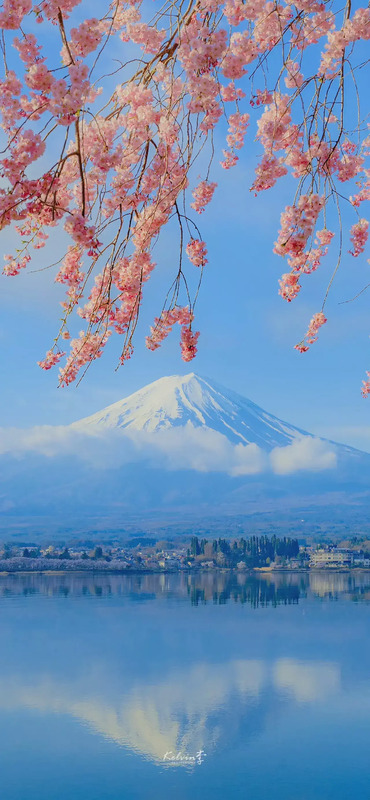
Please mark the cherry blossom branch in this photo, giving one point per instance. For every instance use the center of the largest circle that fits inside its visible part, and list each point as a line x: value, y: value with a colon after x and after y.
x: 122, y: 169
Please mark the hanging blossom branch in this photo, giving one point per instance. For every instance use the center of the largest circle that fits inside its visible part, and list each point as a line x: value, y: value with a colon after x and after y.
x: 116, y: 175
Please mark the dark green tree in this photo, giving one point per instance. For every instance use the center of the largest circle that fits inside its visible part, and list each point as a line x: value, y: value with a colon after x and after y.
x: 194, y: 546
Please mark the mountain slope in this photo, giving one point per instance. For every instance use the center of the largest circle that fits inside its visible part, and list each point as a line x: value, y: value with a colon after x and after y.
x: 181, y: 446
x: 179, y: 400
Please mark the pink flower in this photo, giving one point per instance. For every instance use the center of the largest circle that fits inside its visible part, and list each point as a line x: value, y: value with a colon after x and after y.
x: 230, y: 93
x: 114, y: 178
x: 268, y: 171
x: 86, y: 38
x: 13, y: 13
x: 146, y: 36
x: 188, y: 343
x: 289, y: 286
x: 196, y: 252
x: 317, y: 321
x: 324, y: 236
x: 294, y: 78
x: 366, y: 386
x: 13, y: 266
x: 163, y: 326
x: 203, y: 195
x: 230, y: 159
x: 359, y: 237
x: 50, y: 359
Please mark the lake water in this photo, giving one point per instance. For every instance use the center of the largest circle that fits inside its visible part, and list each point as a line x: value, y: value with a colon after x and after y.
x: 257, y: 687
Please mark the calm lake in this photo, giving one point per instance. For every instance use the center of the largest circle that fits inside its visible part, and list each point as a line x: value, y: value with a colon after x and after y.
x: 185, y: 686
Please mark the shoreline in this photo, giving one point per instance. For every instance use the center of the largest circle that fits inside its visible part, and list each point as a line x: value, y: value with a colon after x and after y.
x: 255, y: 571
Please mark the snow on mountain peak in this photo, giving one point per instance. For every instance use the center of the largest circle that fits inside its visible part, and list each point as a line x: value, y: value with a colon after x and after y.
x: 190, y: 400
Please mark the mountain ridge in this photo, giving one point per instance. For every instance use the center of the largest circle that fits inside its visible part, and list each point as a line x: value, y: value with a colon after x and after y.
x: 176, y: 400
x: 182, y: 445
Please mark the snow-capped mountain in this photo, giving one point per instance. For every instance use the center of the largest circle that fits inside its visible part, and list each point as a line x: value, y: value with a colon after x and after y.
x: 181, y: 446
x: 177, y: 401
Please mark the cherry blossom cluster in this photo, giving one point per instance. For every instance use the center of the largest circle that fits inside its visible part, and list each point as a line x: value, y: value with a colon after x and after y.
x: 359, y: 236
x: 51, y: 358
x: 197, y: 252
x: 13, y: 266
x: 203, y: 194
x: 366, y: 386
x: 84, y: 349
x: 317, y: 321
x: 110, y: 160
x: 163, y: 326
x: 297, y: 227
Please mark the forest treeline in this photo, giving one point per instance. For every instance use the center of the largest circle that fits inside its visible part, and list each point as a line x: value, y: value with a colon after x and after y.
x: 256, y: 551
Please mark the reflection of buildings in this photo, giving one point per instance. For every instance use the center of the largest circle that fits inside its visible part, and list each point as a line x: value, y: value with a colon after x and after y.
x: 208, y: 587
x: 330, y: 584
x: 324, y: 583
x: 267, y: 588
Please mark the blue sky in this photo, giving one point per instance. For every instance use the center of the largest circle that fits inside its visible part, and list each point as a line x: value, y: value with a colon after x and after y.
x: 247, y: 331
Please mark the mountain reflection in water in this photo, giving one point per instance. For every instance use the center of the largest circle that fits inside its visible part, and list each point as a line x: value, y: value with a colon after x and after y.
x: 102, y: 675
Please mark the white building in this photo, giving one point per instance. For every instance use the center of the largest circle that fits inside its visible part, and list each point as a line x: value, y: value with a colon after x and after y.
x: 361, y: 560
x: 331, y: 558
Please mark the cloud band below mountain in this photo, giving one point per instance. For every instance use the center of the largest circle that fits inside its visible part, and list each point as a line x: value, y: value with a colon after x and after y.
x: 192, y: 448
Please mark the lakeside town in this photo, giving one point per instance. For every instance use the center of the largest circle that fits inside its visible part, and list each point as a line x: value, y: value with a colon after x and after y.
x: 266, y: 554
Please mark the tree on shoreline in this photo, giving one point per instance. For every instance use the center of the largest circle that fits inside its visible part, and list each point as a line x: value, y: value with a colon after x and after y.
x: 110, y: 159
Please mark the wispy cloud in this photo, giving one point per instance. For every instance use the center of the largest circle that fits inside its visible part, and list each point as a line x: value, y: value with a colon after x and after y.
x: 307, y: 682
x: 200, y: 449
x: 306, y: 453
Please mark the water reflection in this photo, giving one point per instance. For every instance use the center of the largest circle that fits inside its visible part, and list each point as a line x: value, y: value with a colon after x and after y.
x: 198, y: 588
x: 257, y: 672
x: 186, y: 711
x: 177, y: 713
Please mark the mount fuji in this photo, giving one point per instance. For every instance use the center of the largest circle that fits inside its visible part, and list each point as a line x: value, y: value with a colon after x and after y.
x: 181, y: 447
x: 177, y: 401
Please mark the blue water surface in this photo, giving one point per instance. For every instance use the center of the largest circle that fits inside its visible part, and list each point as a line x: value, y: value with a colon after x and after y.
x: 217, y: 686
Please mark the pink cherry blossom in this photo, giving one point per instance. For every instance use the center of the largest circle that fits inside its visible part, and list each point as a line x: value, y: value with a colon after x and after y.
x: 52, y: 357
x: 359, y: 236
x: 317, y: 321
x: 196, y: 252
x: 366, y: 386
x: 203, y: 194
x: 112, y: 160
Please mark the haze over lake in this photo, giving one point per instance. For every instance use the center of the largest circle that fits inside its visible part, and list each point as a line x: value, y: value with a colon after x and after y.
x: 102, y: 678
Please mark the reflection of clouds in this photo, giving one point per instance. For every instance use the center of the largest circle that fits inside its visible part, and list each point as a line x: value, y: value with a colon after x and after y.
x: 187, y: 711
x: 307, y: 682
x: 173, y: 715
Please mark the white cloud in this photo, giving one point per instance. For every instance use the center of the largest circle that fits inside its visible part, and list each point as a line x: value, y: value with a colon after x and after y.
x: 306, y: 453
x: 52, y: 441
x: 307, y: 682
x: 200, y: 449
